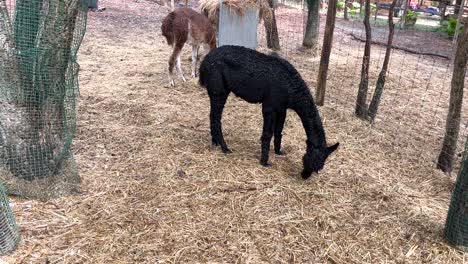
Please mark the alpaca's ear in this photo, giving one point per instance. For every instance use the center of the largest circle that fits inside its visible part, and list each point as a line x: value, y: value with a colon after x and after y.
x: 333, y: 148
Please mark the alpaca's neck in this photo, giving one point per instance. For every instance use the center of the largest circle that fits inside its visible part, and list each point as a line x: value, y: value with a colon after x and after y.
x: 311, y: 121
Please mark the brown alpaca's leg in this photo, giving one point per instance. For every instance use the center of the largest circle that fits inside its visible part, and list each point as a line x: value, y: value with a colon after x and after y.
x: 175, y: 58
x: 179, y: 68
x: 194, y: 60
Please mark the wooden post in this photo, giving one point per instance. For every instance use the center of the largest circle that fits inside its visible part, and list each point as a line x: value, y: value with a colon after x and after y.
x: 326, y: 51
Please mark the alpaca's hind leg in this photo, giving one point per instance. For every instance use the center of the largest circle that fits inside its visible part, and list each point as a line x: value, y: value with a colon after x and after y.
x: 217, y: 103
x: 267, y: 134
x: 179, y: 69
x: 194, y: 60
x: 279, y: 124
x: 173, y: 60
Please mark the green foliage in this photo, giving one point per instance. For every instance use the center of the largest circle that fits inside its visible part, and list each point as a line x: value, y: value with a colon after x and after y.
x: 449, y: 27
x: 410, y: 15
x: 341, y: 4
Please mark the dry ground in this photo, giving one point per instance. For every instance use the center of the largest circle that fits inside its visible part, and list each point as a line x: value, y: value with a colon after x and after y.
x: 155, y: 191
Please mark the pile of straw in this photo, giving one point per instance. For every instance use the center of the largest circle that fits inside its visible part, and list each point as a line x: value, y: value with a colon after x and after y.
x: 210, y: 8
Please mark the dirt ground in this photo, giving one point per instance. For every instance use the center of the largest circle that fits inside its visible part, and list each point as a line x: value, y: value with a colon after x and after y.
x: 155, y: 191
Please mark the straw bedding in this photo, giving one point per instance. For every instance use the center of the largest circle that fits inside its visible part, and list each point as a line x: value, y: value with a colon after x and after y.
x: 154, y: 191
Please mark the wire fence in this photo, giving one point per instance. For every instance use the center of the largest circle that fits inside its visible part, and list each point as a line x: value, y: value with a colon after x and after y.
x: 39, y: 41
x: 412, y: 114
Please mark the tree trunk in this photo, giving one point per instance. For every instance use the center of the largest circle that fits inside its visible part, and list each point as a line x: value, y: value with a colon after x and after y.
x: 442, y: 8
x: 403, y: 17
x: 457, y: 27
x: 346, y: 16
x: 452, y: 125
x: 313, y: 22
x: 458, y: 6
x: 455, y: 231
x: 360, y: 7
x: 377, y: 5
x: 373, y: 108
x: 361, y: 107
x: 326, y: 51
x: 271, y: 30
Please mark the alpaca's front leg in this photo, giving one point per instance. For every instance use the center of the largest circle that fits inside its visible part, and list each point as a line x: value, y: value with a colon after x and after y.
x: 267, y: 134
x: 279, y: 124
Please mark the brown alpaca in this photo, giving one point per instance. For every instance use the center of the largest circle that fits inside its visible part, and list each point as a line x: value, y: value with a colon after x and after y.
x: 186, y: 25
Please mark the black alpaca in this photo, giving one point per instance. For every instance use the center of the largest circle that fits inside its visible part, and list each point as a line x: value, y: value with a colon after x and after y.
x: 273, y: 82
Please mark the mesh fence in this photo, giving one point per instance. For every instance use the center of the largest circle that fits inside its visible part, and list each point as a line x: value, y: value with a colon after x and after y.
x: 39, y: 40
x: 414, y: 106
x: 456, y: 227
x: 9, y: 233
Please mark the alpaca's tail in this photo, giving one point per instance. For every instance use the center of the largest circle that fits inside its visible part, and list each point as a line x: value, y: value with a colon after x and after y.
x: 167, y: 28
x: 211, y: 77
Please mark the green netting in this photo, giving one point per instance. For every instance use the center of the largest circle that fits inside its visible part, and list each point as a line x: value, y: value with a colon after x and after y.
x: 39, y: 41
x: 9, y: 232
x: 456, y: 226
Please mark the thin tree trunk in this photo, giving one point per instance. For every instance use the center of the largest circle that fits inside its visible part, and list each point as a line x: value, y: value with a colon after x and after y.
x: 361, y: 107
x: 403, y: 17
x: 326, y: 51
x: 442, y: 8
x: 373, y: 108
x: 346, y: 3
x: 458, y: 6
x: 360, y: 7
x: 377, y: 9
x: 272, y: 30
x: 313, y: 23
x: 452, y: 126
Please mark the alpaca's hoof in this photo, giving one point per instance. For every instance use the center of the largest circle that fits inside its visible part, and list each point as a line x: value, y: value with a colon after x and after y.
x: 265, y: 164
x: 280, y: 153
x: 214, y: 143
x: 194, y: 75
x: 183, y: 78
x: 226, y: 151
x: 172, y: 83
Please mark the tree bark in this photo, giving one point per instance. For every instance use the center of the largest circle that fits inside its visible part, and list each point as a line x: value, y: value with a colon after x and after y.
x: 360, y: 7
x: 313, y: 23
x: 361, y: 107
x: 377, y: 5
x: 452, y: 126
x: 346, y: 3
x: 271, y: 30
x: 326, y: 51
x: 442, y: 8
x: 373, y: 108
x: 458, y: 4
x: 403, y: 17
